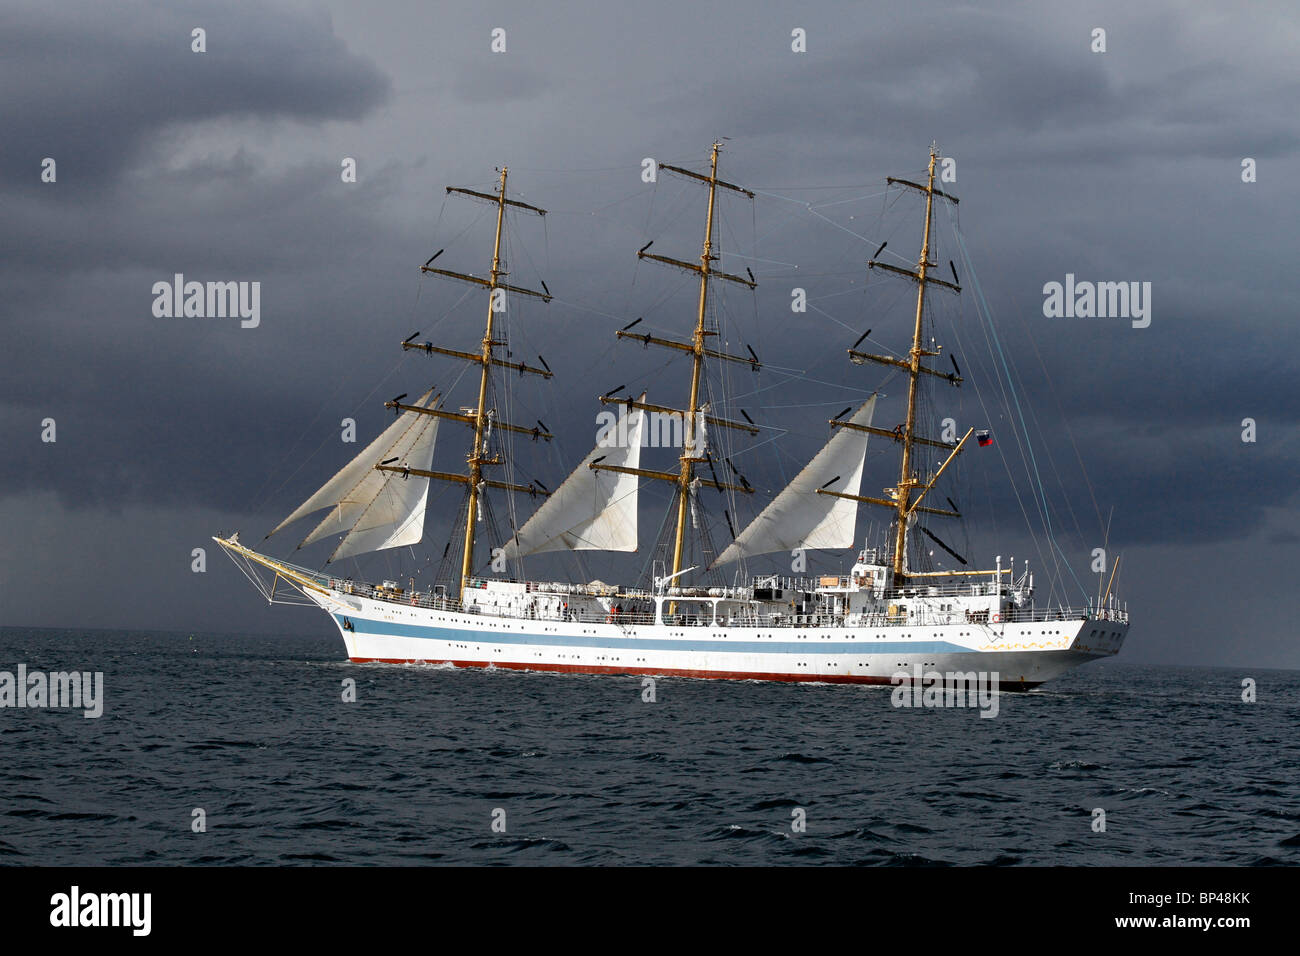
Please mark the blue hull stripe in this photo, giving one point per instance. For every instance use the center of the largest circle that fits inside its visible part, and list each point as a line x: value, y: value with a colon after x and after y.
x: 429, y: 632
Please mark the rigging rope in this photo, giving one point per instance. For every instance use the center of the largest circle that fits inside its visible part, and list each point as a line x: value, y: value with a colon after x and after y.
x: 985, y: 315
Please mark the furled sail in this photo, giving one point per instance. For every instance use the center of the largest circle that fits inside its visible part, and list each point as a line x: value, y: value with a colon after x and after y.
x: 593, y: 510
x: 799, y: 517
x: 377, y: 509
x: 699, y: 446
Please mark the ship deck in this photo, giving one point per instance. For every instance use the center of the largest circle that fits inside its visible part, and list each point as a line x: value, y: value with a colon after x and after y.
x: 745, y: 614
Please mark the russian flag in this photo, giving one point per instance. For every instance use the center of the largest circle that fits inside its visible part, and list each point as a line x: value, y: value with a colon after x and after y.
x: 984, y: 438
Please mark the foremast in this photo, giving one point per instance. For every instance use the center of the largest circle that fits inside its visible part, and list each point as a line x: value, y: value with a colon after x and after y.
x: 481, y: 419
x: 685, y: 478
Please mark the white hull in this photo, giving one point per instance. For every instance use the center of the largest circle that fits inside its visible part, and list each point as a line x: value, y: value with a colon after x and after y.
x: 1022, y: 654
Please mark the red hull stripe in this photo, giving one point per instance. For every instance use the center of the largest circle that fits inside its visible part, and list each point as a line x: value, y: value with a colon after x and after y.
x: 664, y: 672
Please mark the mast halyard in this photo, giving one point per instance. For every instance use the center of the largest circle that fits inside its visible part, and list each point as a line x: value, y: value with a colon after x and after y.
x: 480, y: 418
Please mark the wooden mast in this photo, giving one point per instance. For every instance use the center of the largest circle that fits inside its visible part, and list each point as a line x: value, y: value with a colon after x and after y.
x: 685, y: 477
x: 476, y: 458
x: 902, y: 502
x: 905, y: 479
x: 689, y: 455
x: 478, y: 418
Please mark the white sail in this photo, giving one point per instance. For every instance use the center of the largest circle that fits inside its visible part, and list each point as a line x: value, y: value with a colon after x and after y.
x: 378, y: 509
x: 799, y: 517
x: 592, y: 510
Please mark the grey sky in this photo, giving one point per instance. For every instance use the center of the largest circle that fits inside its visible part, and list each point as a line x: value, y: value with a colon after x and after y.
x: 224, y: 165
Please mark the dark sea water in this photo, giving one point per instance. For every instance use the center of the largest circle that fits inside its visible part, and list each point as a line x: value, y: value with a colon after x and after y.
x: 254, y: 731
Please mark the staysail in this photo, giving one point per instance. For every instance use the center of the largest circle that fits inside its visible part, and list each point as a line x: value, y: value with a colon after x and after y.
x: 377, y: 509
x: 594, y: 509
x: 799, y: 517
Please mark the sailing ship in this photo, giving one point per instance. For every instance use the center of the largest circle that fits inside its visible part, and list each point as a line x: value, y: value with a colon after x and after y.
x: 885, y: 616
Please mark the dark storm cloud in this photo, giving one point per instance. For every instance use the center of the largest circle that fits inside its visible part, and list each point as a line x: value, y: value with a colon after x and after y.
x: 1020, y: 89
x: 93, y: 85
x: 114, y: 93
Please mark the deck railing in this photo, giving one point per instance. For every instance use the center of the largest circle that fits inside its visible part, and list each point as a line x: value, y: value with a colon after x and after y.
x: 744, y: 617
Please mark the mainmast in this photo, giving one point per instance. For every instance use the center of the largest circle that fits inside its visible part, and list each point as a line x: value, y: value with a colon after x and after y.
x: 685, y: 478
x: 476, y: 458
x: 903, y: 503
x: 480, y: 418
x: 689, y: 453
